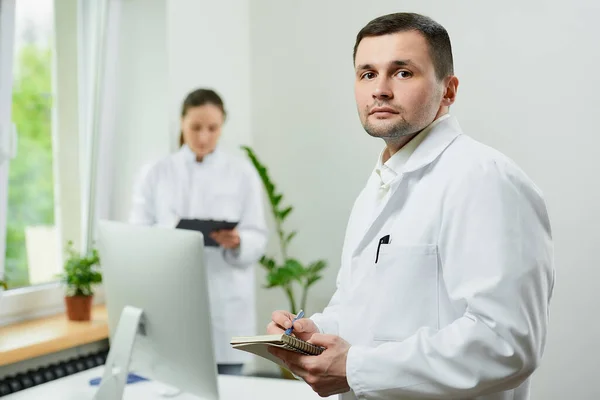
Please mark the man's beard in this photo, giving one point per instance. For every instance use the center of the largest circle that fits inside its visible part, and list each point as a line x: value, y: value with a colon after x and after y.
x: 393, y: 130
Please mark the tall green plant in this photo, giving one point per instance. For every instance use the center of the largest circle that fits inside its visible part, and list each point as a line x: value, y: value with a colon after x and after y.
x: 81, y: 272
x: 283, y: 272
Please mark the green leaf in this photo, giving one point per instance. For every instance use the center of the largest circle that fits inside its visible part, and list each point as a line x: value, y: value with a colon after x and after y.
x: 317, y: 266
x: 310, y: 281
x: 267, y: 262
x: 268, y: 184
x: 290, y: 236
x: 284, y: 213
x: 294, y: 268
x: 81, y: 272
x: 279, y: 277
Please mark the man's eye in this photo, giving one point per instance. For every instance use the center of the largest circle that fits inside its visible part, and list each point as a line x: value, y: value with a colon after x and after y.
x: 404, y: 74
x: 368, y: 75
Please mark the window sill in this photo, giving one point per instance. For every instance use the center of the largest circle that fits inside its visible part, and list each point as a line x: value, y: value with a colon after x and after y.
x: 42, y: 336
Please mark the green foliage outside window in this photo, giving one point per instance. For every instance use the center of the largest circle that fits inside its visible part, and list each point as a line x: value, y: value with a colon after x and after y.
x: 30, y: 188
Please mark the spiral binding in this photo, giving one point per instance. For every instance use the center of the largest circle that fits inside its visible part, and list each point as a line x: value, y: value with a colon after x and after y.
x: 301, y: 346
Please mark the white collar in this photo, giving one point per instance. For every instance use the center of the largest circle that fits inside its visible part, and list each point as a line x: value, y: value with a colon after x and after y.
x: 189, y: 156
x: 395, y: 164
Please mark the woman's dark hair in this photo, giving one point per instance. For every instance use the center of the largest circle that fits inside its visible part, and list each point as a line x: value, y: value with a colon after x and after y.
x: 200, y: 97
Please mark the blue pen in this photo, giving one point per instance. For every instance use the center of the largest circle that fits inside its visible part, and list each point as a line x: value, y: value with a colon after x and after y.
x: 289, y: 330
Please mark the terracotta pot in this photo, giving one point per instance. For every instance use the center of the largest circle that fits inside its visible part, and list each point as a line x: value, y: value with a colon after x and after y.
x: 79, y: 308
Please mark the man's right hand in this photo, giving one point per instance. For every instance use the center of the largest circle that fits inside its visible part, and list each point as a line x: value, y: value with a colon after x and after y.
x: 304, y: 328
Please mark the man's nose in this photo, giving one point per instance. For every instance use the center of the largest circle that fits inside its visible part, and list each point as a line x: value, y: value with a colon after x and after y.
x: 383, y: 90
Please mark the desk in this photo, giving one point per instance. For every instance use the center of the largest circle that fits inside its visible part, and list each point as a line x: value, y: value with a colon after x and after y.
x: 230, y: 388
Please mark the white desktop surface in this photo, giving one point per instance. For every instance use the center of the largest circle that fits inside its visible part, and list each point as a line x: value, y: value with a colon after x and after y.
x: 230, y: 388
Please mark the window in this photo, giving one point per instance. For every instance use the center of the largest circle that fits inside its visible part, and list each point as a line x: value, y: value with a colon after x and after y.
x: 46, y: 176
x: 31, y: 236
x: 39, y: 173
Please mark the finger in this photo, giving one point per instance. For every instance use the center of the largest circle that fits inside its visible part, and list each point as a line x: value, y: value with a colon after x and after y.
x: 273, y: 328
x: 304, y: 329
x: 227, y: 238
x: 282, y: 318
x: 297, y: 363
x: 327, y: 341
x: 300, y: 361
x: 230, y: 240
x: 275, y: 351
x: 299, y: 372
x: 284, y: 355
x: 231, y: 236
x: 305, y: 325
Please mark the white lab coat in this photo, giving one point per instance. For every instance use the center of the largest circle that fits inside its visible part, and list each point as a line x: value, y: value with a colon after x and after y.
x: 457, y: 305
x: 220, y: 187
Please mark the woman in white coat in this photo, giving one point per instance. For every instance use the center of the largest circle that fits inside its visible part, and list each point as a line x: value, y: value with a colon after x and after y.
x: 201, y: 181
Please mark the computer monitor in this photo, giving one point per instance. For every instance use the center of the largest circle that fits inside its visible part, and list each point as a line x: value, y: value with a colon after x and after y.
x: 157, y: 302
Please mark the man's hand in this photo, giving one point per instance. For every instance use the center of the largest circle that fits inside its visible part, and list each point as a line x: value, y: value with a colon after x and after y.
x: 304, y: 328
x: 228, y: 239
x: 325, y: 373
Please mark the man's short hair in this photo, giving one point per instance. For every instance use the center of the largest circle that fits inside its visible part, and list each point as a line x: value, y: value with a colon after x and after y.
x: 435, y: 34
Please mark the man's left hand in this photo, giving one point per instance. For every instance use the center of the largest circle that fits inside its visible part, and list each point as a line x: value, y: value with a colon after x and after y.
x: 325, y: 373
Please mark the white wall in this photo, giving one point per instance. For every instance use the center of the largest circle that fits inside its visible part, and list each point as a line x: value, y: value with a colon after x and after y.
x: 209, y: 46
x: 142, y: 100
x: 529, y: 85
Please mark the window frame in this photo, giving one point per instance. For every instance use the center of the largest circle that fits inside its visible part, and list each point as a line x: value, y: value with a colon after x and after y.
x: 7, y: 29
x: 40, y: 300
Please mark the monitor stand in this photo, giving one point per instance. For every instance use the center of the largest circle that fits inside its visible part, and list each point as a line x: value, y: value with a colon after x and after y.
x: 116, y: 368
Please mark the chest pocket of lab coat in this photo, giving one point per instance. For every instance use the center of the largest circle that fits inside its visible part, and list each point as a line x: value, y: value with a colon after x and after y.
x: 406, y: 298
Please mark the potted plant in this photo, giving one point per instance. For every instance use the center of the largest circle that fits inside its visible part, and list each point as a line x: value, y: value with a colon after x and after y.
x: 288, y: 273
x: 3, y: 283
x: 81, y: 273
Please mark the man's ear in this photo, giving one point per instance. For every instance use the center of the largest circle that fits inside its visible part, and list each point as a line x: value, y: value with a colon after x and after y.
x: 450, y: 92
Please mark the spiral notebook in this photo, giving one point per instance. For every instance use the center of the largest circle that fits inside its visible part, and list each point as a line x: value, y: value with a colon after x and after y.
x: 259, y: 344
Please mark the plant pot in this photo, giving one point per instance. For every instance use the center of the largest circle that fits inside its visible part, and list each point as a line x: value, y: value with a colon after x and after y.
x: 79, y: 308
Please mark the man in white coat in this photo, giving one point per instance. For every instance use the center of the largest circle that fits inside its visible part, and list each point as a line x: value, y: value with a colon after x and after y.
x: 447, y: 267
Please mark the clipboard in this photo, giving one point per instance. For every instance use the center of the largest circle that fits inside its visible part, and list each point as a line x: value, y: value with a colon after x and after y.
x: 206, y: 226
